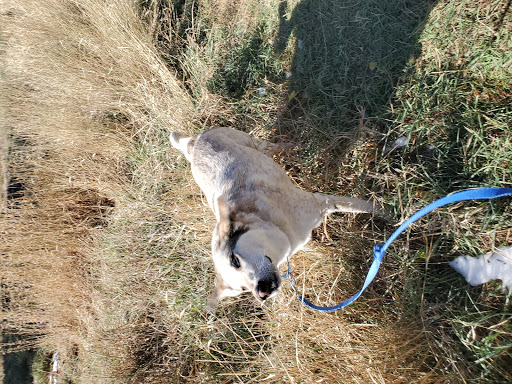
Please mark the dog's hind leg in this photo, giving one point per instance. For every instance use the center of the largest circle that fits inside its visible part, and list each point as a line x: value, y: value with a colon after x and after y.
x: 346, y: 204
x: 242, y: 138
x: 181, y: 142
x: 271, y: 149
x: 247, y: 140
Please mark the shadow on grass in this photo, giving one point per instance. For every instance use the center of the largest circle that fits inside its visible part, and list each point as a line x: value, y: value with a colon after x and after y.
x: 348, y: 56
x: 345, y: 60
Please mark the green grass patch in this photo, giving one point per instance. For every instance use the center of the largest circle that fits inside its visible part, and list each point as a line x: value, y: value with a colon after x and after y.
x: 247, y: 67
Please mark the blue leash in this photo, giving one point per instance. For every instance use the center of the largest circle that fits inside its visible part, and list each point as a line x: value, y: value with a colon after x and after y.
x: 380, y: 250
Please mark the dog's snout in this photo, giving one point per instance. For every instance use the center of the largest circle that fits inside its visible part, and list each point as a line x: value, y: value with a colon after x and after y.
x: 266, y: 287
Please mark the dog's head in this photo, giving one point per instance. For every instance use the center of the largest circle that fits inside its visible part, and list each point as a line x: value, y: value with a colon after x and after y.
x: 245, y: 257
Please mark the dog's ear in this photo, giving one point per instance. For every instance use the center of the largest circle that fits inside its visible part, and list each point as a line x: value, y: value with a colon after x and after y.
x: 220, y: 291
x: 223, y: 219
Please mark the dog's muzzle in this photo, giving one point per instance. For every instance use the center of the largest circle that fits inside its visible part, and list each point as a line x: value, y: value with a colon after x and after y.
x: 266, y: 287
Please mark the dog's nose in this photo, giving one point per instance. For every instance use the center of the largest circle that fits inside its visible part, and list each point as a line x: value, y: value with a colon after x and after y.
x: 265, y: 288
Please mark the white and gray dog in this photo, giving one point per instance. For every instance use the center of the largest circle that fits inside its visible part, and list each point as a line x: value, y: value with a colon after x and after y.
x: 262, y: 218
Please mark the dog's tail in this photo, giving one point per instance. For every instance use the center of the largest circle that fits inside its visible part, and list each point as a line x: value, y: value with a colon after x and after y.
x: 181, y: 142
x: 177, y: 137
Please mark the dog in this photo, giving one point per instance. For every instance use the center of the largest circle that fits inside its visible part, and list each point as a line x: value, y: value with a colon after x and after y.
x: 262, y: 217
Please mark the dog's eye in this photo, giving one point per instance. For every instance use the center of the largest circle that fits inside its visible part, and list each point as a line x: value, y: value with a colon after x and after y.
x: 235, y: 261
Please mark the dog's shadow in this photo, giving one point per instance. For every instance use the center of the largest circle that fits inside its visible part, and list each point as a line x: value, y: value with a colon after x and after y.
x: 347, y: 58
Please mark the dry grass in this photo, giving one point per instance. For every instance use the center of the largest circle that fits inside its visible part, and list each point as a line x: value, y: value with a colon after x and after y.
x: 83, y: 85
x: 106, y: 239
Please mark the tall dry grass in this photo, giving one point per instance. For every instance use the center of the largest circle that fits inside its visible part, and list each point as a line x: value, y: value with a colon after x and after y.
x: 83, y: 85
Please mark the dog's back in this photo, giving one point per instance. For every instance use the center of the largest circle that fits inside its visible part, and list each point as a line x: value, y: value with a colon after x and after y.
x: 226, y: 163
